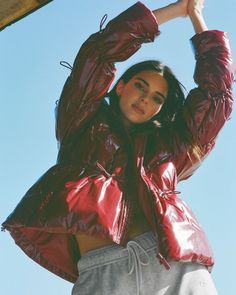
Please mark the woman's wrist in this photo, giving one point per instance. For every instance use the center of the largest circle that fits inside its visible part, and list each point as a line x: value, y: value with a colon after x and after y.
x: 169, y: 12
x: 198, y: 21
x: 182, y: 9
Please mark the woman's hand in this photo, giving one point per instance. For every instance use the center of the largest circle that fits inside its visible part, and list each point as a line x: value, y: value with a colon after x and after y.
x: 182, y: 6
x: 195, y: 7
x: 189, y: 7
x: 171, y: 11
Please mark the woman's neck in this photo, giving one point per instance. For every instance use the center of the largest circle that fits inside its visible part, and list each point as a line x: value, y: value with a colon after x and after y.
x: 129, y: 127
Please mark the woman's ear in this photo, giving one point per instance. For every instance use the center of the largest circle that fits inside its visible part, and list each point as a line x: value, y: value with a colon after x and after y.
x: 119, y: 87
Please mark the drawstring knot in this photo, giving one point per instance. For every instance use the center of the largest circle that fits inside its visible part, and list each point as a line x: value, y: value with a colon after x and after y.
x: 102, y: 169
x: 167, y: 193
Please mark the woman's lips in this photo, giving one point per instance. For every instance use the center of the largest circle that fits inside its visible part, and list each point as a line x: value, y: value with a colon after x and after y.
x: 137, y: 108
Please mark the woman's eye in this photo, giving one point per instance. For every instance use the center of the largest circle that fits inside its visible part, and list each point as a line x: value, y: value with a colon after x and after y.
x: 158, y: 100
x: 139, y: 86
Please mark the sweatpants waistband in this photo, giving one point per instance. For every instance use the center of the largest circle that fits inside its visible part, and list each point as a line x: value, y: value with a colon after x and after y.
x: 109, y: 254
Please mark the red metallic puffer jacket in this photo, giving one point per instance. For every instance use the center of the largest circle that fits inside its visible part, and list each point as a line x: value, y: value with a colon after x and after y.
x: 102, y: 171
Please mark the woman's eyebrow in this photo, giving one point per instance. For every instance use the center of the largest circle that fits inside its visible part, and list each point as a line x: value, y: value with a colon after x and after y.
x: 145, y: 82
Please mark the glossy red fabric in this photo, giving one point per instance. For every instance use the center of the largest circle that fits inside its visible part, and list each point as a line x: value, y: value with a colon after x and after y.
x: 102, y: 172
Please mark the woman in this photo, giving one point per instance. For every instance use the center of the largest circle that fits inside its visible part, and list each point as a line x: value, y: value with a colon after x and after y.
x: 110, y: 202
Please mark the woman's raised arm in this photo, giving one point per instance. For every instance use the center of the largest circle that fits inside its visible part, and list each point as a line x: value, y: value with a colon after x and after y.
x: 94, y: 70
x: 209, y: 105
x: 183, y: 8
x: 194, y: 10
x: 171, y: 11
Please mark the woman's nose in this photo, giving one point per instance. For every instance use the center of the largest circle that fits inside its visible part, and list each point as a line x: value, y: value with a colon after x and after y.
x: 143, y: 98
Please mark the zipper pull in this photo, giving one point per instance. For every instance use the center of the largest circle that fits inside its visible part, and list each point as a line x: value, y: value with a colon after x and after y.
x: 163, y: 261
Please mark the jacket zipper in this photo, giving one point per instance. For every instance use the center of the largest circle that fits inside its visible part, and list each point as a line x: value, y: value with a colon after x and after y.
x: 126, y: 217
x: 127, y: 213
x: 159, y: 255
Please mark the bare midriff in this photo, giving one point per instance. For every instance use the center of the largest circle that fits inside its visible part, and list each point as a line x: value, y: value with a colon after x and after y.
x: 87, y: 243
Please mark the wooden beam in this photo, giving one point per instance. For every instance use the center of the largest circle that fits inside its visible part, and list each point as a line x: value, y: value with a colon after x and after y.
x: 12, y: 11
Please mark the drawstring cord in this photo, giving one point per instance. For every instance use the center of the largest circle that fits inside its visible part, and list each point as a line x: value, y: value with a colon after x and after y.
x: 66, y: 64
x: 135, y: 262
x: 103, y: 20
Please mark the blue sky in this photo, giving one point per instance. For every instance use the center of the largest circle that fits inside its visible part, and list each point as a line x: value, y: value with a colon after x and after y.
x: 31, y: 80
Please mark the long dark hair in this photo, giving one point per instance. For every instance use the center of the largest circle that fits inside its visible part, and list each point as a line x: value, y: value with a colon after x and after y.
x: 168, y: 119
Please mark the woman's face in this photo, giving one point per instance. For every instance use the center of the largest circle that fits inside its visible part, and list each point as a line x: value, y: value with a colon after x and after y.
x: 142, y: 97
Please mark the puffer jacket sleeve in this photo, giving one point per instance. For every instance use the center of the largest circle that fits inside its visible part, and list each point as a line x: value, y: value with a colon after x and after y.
x: 208, y: 106
x: 93, y: 69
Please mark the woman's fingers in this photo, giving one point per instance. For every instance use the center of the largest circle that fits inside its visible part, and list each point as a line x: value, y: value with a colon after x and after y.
x: 183, y: 4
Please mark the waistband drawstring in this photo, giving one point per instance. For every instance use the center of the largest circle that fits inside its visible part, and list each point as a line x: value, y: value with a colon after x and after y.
x: 135, y: 262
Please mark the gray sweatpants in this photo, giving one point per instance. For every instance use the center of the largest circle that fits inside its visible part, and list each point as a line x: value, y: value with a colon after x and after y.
x: 114, y: 270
